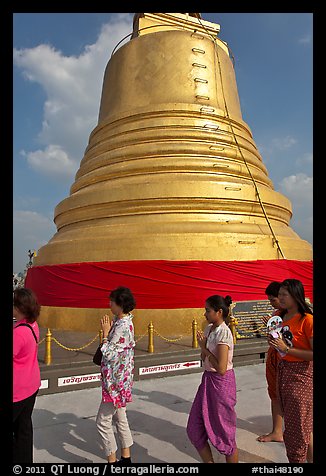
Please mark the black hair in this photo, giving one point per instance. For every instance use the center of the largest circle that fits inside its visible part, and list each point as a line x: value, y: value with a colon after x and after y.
x: 123, y: 297
x: 273, y: 289
x: 26, y: 302
x: 217, y: 302
x: 296, y: 290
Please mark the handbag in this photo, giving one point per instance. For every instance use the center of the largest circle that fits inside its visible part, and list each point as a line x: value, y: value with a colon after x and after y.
x: 97, y: 358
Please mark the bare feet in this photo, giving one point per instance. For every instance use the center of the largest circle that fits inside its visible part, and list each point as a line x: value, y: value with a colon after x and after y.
x: 270, y: 437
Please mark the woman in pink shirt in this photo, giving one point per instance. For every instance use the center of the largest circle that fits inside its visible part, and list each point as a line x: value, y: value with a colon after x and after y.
x: 26, y: 372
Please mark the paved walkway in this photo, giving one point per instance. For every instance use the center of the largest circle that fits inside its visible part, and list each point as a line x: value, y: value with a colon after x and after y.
x: 65, y: 429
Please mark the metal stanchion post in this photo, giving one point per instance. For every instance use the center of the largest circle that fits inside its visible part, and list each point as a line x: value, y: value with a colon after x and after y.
x: 150, y: 338
x: 48, y: 354
x: 100, y: 336
x: 233, y: 324
x: 194, y: 334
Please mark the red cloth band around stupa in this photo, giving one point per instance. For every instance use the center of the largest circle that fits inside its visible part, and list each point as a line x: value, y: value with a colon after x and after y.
x: 161, y: 284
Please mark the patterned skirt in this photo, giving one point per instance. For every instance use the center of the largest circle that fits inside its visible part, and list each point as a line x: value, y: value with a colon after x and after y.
x: 212, y: 416
x: 271, y: 372
x: 295, y: 389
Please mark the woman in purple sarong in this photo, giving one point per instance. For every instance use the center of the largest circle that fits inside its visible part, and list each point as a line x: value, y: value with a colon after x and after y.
x: 212, y: 415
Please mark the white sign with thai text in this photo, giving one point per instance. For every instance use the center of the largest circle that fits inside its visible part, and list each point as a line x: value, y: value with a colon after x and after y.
x: 78, y: 379
x: 173, y: 367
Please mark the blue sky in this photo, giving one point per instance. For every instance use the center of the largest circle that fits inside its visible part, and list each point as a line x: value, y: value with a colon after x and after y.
x: 59, y: 62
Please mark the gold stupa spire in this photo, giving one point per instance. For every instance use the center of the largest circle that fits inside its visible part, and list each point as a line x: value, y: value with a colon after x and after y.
x: 165, y: 162
x: 172, y: 171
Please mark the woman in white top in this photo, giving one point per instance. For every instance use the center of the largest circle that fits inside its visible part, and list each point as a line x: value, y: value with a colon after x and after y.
x: 212, y: 416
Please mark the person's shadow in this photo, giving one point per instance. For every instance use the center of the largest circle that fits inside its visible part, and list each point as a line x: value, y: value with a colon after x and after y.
x: 256, y: 425
x: 65, y: 437
x: 71, y: 439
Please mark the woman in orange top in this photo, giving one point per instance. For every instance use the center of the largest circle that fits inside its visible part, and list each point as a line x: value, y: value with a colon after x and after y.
x: 295, y: 370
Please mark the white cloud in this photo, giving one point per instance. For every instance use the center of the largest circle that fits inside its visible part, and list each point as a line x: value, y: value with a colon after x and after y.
x: 305, y: 160
x: 284, y: 143
x: 299, y: 187
x: 276, y: 147
x: 73, y: 86
x: 52, y: 161
x: 299, y: 190
x: 305, y: 40
x: 26, y: 216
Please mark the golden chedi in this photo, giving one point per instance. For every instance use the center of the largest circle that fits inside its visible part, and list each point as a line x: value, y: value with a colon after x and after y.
x: 171, y: 173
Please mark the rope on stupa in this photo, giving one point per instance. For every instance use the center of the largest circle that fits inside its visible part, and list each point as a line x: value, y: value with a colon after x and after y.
x: 238, y: 146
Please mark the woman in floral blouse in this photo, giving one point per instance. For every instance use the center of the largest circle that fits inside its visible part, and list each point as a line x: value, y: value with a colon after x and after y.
x: 117, y: 374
